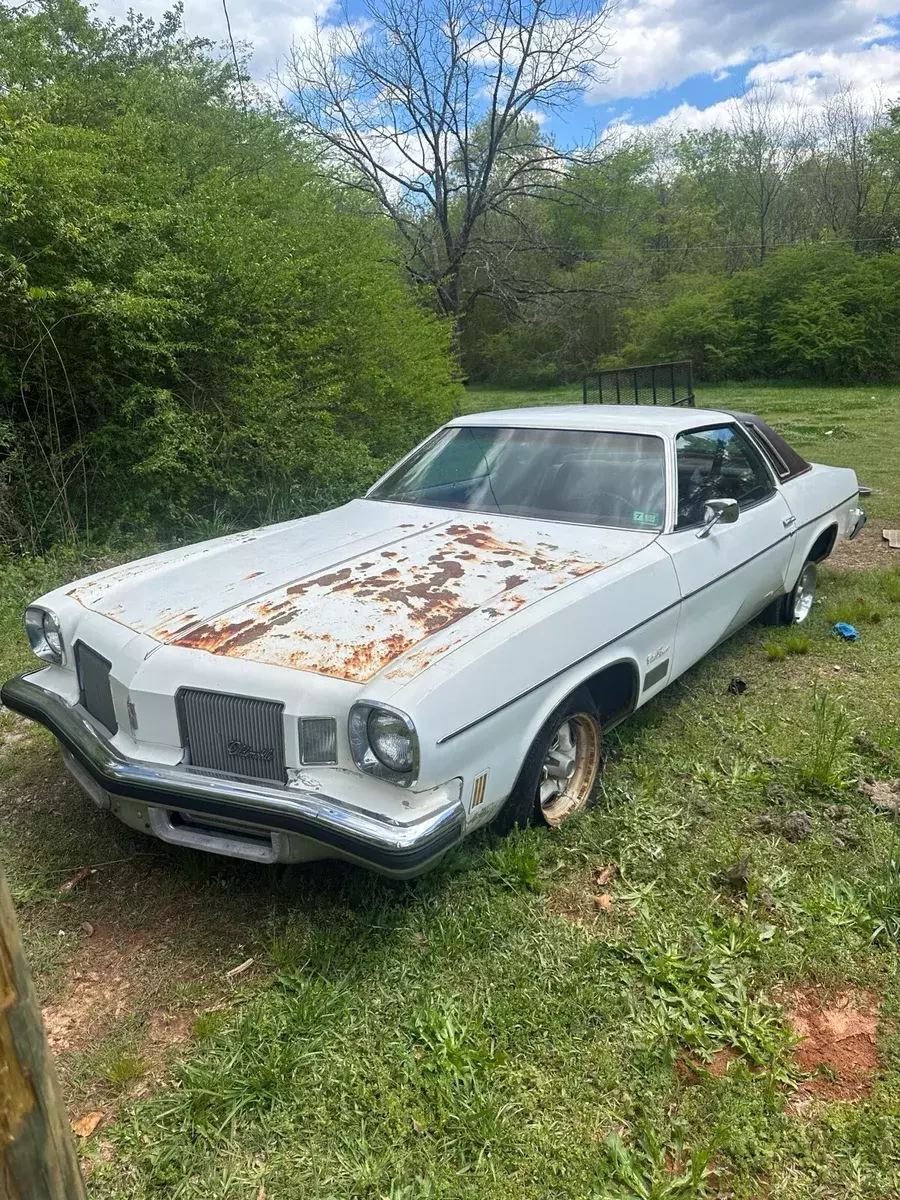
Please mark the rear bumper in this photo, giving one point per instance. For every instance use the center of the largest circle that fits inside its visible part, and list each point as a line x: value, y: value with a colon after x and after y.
x: 399, y: 849
x: 858, y: 516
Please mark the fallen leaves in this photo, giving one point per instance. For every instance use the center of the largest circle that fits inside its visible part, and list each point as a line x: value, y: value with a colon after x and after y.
x: 82, y: 875
x: 86, y: 1125
x: 603, y: 877
x: 884, y: 794
x: 582, y: 899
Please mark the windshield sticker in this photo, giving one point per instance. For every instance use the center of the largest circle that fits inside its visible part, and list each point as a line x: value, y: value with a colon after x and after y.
x: 645, y: 518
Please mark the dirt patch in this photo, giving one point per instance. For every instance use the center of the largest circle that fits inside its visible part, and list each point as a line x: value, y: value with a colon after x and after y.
x: 695, y: 1070
x: 574, y: 901
x: 586, y: 897
x: 719, y: 1063
x: 870, y: 550
x: 839, y: 1043
x: 108, y: 979
x: 8, y: 740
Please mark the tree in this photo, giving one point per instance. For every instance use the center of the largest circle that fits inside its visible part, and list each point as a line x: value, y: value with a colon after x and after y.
x: 770, y: 138
x: 431, y: 108
x: 193, y: 323
x: 37, y: 1157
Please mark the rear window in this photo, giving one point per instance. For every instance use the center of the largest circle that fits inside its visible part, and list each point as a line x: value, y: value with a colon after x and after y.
x: 581, y: 476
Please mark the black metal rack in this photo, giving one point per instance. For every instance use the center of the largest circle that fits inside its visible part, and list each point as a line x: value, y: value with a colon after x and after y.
x: 658, y: 383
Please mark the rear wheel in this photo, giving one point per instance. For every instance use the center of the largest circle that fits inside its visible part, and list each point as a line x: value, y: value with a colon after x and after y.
x: 559, y: 774
x: 795, y: 607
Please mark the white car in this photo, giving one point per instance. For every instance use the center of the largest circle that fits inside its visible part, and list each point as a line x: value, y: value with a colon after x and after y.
x: 375, y: 682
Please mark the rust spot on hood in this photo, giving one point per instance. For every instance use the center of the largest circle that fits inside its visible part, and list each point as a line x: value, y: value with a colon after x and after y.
x: 353, y: 621
x: 298, y: 589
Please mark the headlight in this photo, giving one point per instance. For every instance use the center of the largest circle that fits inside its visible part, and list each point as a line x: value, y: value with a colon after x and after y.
x: 44, y: 634
x: 391, y: 739
x: 384, y: 743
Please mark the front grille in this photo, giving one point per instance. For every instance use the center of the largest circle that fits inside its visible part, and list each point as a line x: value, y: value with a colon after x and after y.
x: 318, y: 741
x: 234, y: 734
x: 93, y: 686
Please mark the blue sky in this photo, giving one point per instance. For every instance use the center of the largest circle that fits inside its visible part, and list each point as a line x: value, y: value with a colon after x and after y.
x: 677, y: 61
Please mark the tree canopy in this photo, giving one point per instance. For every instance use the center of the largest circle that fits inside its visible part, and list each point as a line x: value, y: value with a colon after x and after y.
x: 195, y: 326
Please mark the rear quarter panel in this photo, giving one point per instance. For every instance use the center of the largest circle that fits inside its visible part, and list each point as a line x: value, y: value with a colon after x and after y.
x: 820, y: 499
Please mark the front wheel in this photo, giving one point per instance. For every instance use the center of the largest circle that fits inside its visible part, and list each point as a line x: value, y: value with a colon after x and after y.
x: 559, y: 774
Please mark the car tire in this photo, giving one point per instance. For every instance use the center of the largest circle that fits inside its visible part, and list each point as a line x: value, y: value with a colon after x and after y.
x: 795, y: 607
x: 568, y: 746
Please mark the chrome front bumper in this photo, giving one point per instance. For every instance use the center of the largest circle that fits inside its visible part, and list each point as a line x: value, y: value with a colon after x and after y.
x: 289, y: 814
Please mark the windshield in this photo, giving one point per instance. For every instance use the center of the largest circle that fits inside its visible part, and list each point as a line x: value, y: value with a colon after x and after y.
x: 573, y: 475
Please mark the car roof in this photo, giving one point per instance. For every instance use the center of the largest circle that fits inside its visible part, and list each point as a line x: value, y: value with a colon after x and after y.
x: 608, y: 418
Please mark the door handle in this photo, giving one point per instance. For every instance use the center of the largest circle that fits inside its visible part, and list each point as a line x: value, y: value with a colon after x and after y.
x: 789, y: 521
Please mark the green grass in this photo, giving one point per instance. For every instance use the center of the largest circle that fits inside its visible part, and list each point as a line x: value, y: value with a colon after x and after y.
x: 464, y: 1036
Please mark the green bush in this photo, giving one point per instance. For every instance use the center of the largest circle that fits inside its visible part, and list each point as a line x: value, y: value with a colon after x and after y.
x: 190, y: 318
x: 810, y: 312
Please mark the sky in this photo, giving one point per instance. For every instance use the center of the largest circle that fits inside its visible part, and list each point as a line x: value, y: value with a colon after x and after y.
x: 675, y: 61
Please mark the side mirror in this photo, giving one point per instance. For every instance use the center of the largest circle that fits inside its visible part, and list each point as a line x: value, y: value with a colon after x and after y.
x: 718, y: 512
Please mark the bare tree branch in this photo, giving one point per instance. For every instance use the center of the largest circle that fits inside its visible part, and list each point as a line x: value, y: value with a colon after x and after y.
x: 432, y: 107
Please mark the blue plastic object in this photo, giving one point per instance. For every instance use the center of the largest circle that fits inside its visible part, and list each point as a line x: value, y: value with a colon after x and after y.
x: 845, y: 631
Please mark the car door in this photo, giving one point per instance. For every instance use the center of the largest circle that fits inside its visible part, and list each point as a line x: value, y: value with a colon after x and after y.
x: 729, y: 574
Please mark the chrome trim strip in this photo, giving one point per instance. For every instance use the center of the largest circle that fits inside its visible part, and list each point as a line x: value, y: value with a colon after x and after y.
x: 391, y: 846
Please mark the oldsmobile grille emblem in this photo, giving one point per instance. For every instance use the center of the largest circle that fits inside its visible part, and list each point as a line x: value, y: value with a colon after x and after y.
x: 242, y: 750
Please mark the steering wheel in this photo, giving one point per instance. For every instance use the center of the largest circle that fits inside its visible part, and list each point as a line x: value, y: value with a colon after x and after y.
x: 695, y: 499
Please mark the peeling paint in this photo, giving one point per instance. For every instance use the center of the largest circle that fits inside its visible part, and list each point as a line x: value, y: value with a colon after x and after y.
x: 352, y: 622
x: 408, y: 596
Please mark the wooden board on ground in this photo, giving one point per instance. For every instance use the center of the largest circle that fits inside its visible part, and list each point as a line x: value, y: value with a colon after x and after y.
x: 892, y: 536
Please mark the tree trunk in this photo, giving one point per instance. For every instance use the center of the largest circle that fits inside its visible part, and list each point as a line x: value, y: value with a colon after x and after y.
x: 37, y: 1155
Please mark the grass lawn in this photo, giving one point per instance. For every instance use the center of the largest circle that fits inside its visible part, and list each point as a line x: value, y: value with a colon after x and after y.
x: 607, y: 1011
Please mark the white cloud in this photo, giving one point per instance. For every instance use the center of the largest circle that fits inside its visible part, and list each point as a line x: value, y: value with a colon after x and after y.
x: 270, y: 26
x: 807, y: 47
x: 798, y: 81
x: 873, y: 70
x: 660, y: 43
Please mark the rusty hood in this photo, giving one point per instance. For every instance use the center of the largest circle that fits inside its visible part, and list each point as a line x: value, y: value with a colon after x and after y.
x: 366, y: 588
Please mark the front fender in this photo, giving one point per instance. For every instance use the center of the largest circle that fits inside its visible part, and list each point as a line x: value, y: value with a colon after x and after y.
x: 484, y: 715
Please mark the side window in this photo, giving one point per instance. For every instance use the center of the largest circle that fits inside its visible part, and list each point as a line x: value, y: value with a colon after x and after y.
x: 717, y: 463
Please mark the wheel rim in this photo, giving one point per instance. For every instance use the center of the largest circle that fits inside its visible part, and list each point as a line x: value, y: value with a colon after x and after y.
x: 804, y: 593
x: 569, y: 768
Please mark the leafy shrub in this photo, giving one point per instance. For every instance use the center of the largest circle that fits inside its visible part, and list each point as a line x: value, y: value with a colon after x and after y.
x: 810, y: 312
x: 825, y: 757
x: 192, y: 321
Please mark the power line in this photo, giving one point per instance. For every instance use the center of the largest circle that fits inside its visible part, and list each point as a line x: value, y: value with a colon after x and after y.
x: 235, y: 57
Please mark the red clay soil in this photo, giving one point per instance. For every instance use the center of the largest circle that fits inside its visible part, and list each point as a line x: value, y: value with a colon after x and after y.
x: 839, y: 1043
x: 693, y: 1070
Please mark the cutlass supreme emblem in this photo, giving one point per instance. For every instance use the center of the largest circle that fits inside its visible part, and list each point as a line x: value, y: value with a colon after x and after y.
x: 242, y: 750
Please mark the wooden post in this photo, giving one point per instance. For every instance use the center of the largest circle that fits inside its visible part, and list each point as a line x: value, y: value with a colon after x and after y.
x: 37, y: 1154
